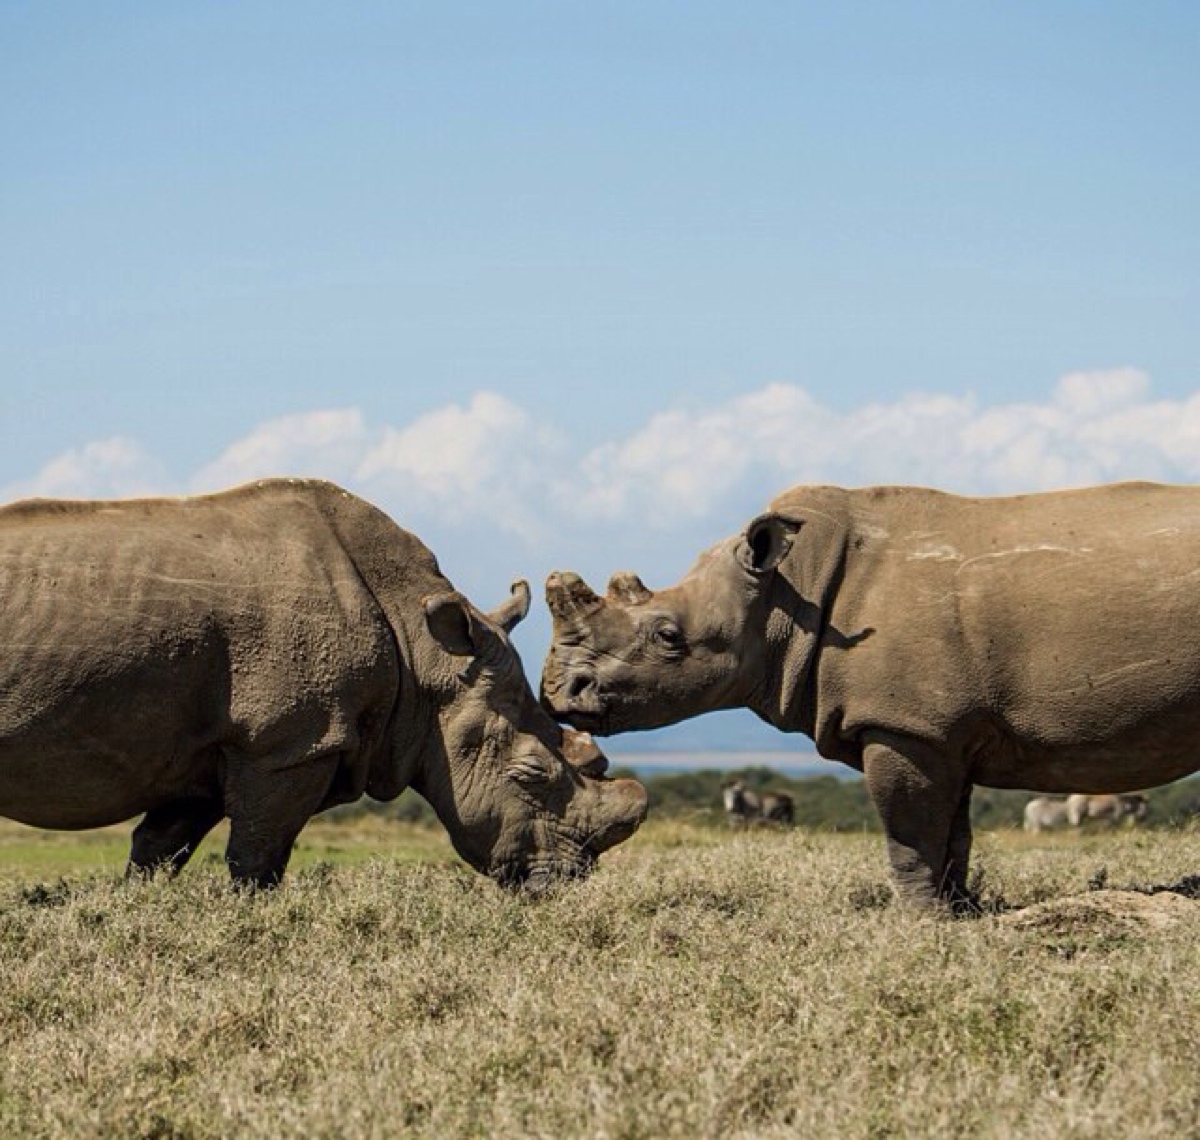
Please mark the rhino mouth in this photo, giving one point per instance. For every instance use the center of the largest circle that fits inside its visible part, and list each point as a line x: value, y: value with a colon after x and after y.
x: 585, y: 720
x: 577, y: 701
x: 535, y: 879
x: 590, y: 716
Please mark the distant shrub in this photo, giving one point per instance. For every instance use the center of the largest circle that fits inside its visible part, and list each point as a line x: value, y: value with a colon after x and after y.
x: 832, y: 803
x: 823, y: 803
x: 408, y: 807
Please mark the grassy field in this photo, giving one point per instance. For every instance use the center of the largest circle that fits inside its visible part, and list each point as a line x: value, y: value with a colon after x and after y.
x: 27, y: 853
x: 701, y: 984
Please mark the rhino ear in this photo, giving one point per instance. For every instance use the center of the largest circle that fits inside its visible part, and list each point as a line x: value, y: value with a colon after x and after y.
x: 766, y: 542
x: 507, y: 615
x: 628, y: 588
x: 452, y: 624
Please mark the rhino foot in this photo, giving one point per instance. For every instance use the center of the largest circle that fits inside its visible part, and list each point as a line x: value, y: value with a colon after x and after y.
x: 168, y: 836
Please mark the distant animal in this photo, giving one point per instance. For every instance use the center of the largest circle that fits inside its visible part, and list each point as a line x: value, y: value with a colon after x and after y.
x: 264, y: 654
x: 1045, y: 814
x: 744, y: 806
x: 933, y: 642
x: 1111, y: 809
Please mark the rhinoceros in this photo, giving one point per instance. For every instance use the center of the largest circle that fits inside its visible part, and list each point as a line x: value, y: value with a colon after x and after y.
x: 264, y: 654
x: 1047, y: 641
x: 1045, y: 813
x: 1107, y: 809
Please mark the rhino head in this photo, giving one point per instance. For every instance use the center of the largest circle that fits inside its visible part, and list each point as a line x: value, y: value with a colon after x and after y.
x: 525, y: 800
x: 638, y: 659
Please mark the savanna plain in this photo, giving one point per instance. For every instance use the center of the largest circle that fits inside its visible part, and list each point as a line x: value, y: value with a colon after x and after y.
x: 703, y: 983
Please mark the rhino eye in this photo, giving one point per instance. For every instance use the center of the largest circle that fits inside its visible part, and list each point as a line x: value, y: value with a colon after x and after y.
x: 668, y: 636
x: 530, y: 770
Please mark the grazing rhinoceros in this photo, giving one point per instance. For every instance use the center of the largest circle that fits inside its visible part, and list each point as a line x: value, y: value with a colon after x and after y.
x: 265, y: 654
x: 1107, y: 809
x: 1045, y: 813
x: 1049, y: 642
x: 744, y: 806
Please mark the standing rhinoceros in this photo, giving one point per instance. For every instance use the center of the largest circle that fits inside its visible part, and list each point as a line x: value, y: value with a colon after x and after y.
x: 1049, y: 642
x: 265, y: 654
x: 1045, y: 813
x: 1107, y: 809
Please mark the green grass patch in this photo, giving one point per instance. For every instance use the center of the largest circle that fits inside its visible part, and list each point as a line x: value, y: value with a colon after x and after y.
x: 27, y: 852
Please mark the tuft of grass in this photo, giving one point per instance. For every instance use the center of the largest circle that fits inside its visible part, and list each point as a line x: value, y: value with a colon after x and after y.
x: 701, y: 984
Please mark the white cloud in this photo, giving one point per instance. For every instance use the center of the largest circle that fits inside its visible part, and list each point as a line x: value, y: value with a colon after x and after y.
x: 489, y: 462
x: 681, y: 464
x: 324, y: 443
x: 1096, y: 426
x: 490, y: 482
x: 115, y: 468
x: 1090, y: 394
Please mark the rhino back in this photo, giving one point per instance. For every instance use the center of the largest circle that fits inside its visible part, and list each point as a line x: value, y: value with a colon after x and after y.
x: 1065, y: 624
x: 141, y: 641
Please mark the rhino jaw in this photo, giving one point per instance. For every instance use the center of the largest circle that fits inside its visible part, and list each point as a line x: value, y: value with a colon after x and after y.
x: 621, y: 812
x: 541, y: 879
x: 621, y: 825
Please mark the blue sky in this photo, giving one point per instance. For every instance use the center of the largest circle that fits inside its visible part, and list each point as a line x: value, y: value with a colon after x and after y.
x: 583, y: 285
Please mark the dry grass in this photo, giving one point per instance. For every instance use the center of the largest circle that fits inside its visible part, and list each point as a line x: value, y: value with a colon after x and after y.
x: 699, y: 985
x: 26, y: 852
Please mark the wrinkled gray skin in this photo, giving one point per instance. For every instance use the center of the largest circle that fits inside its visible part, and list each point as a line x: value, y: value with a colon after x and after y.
x: 264, y: 654
x: 1049, y: 642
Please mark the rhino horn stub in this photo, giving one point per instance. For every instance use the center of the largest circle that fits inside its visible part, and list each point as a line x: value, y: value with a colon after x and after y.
x: 628, y: 588
x: 509, y: 613
x: 570, y: 598
x: 583, y: 753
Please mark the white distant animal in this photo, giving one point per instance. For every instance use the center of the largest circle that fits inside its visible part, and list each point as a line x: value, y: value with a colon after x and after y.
x: 1109, y: 809
x: 1045, y: 814
x: 744, y: 807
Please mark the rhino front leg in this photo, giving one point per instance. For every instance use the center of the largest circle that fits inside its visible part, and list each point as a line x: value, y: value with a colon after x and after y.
x: 268, y: 806
x: 168, y: 836
x: 958, y: 856
x: 925, y: 814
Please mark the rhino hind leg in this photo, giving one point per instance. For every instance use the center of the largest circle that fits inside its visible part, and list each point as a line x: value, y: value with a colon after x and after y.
x: 168, y: 836
x: 925, y: 814
x: 268, y: 806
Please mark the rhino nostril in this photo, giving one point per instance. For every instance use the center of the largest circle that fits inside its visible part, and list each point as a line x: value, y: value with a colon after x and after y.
x: 579, y: 685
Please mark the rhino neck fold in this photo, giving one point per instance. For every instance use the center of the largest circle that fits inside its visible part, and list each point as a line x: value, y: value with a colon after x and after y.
x: 413, y: 722
x: 399, y: 571
x: 458, y: 789
x: 800, y: 621
x: 786, y: 694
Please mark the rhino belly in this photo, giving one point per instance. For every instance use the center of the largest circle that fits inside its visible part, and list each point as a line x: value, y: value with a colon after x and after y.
x: 1137, y: 752
x: 82, y: 746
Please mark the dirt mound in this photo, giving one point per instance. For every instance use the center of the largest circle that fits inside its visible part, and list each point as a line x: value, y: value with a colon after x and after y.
x: 1106, y: 913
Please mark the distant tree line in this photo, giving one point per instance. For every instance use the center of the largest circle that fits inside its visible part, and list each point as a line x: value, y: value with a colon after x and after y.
x: 823, y: 803
x: 829, y: 803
